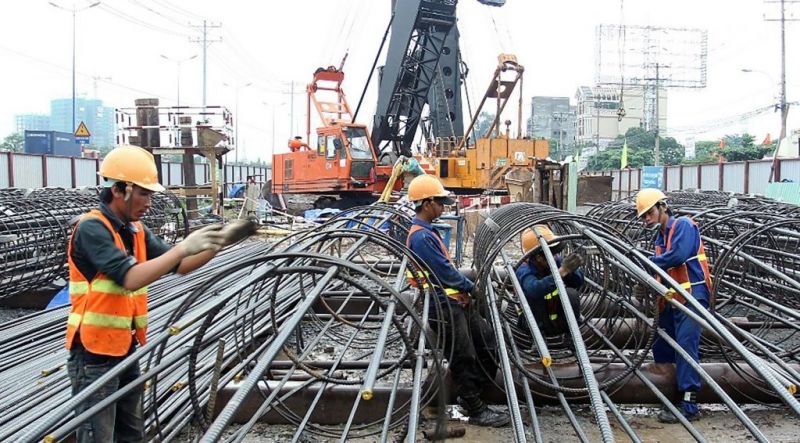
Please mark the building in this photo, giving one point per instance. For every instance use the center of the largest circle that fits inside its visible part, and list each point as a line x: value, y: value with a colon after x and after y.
x: 598, y: 113
x: 553, y: 118
x: 31, y: 122
x: 99, y: 119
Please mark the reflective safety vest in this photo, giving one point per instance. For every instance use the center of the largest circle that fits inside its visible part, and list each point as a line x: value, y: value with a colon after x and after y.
x: 419, y: 279
x: 104, y: 312
x: 552, y: 303
x: 680, y: 273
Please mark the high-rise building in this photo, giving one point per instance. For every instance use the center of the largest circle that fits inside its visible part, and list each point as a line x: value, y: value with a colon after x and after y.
x: 31, y: 122
x: 99, y: 119
x: 553, y: 118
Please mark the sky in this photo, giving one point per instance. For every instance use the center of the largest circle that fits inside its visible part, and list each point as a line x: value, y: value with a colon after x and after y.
x: 267, y: 45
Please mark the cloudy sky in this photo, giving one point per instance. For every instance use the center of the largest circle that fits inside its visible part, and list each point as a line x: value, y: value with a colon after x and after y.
x: 272, y: 43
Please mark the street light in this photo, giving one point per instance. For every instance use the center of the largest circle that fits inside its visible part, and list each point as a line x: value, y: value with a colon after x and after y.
x: 74, y: 18
x: 178, y: 63
x: 238, y: 117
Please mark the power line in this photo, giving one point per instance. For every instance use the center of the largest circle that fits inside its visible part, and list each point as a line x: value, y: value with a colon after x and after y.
x: 205, y: 42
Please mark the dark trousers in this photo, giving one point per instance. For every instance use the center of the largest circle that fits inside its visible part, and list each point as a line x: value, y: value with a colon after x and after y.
x: 120, y: 422
x: 551, y: 326
x: 470, y: 340
x: 686, y: 332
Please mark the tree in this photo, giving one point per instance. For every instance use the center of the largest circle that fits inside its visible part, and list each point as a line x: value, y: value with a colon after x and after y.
x: 641, y: 151
x: 13, y: 142
x: 737, y: 148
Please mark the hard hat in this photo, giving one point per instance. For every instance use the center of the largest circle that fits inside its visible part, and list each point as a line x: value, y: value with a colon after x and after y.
x: 531, y: 241
x: 131, y: 164
x: 427, y: 186
x: 647, y: 198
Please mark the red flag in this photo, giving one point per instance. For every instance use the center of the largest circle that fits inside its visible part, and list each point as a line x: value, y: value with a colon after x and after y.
x: 721, y: 147
x: 722, y: 143
x: 767, y: 141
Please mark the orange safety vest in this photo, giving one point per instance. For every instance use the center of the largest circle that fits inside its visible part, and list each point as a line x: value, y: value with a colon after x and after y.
x: 680, y: 273
x: 103, y: 311
x: 420, y: 278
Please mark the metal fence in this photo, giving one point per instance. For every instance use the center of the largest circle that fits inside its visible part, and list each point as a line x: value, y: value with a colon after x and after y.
x: 40, y: 171
x: 748, y: 177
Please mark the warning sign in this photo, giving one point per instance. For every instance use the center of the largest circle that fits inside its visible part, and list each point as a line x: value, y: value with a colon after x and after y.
x: 82, y: 131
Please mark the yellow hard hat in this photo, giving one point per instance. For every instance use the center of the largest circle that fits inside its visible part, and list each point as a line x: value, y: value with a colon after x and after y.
x: 647, y: 198
x: 427, y: 186
x: 131, y: 164
x: 531, y: 241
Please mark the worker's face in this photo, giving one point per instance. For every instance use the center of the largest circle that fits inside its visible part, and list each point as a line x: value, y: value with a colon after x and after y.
x: 652, y: 216
x: 137, y: 203
x: 437, y: 207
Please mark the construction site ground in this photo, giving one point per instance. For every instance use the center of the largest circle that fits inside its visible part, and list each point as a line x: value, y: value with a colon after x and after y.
x: 716, y: 424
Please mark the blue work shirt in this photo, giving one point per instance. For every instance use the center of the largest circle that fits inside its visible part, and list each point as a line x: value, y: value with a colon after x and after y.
x: 426, y: 244
x: 685, y: 244
x: 537, y: 283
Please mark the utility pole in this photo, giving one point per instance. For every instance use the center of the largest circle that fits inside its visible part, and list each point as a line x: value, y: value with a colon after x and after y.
x: 783, y: 105
x: 657, y: 152
x: 205, y: 41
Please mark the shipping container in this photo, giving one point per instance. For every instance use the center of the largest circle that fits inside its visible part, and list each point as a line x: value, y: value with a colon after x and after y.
x: 51, y: 143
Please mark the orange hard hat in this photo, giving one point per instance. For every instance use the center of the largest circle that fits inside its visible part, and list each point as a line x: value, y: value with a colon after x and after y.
x: 530, y: 241
x: 647, y: 198
x: 131, y: 164
x: 427, y: 186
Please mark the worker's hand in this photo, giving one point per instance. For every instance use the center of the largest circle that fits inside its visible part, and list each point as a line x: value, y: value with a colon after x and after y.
x: 209, y: 238
x: 571, y: 263
x: 238, y: 230
x: 639, y: 292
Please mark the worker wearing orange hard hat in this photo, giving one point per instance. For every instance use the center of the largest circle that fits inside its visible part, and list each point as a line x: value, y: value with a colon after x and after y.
x: 112, y: 257
x: 539, y: 285
x: 680, y: 252
x: 469, y: 341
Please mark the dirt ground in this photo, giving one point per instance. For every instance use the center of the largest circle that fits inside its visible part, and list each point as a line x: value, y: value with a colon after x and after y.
x: 716, y: 425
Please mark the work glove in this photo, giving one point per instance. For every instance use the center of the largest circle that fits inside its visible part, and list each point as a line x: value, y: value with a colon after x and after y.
x: 209, y: 238
x: 238, y: 230
x: 571, y: 263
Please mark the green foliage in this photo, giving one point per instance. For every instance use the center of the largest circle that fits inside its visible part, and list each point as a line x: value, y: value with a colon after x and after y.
x: 737, y: 148
x: 13, y: 142
x: 641, y: 147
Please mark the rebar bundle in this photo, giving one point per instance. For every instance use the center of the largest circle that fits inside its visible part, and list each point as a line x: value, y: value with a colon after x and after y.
x: 322, y: 331
x: 36, y: 224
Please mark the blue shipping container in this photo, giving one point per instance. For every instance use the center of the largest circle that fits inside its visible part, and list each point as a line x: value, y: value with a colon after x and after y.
x: 51, y: 143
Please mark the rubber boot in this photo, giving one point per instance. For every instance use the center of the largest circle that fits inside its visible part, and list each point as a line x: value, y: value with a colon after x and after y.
x: 688, y: 407
x: 482, y: 415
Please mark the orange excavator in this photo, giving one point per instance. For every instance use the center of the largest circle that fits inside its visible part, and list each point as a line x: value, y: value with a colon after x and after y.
x: 343, y: 168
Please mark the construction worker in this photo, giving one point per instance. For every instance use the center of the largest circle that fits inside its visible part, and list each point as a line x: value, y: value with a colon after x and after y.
x: 112, y: 257
x: 472, y: 345
x: 680, y: 252
x: 539, y: 286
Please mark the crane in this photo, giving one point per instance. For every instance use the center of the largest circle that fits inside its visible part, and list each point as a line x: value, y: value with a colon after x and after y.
x: 423, y: 49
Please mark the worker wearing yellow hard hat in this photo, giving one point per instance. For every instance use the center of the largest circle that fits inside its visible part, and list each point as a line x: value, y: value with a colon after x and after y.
x: 539, y: 285
x: 470, y: 339
x: 679, y: 250
x: 112, y: 257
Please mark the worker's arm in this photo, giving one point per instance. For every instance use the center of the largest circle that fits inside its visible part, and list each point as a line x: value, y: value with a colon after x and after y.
x: 684, y: 245
x: 142, y: 274
x: 156, y: 247
x: 428, y: 249
x: 193, y: 262
x: 534, y: 287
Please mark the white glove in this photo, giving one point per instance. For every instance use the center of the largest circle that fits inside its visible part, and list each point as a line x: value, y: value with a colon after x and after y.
x: 209, y: 238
